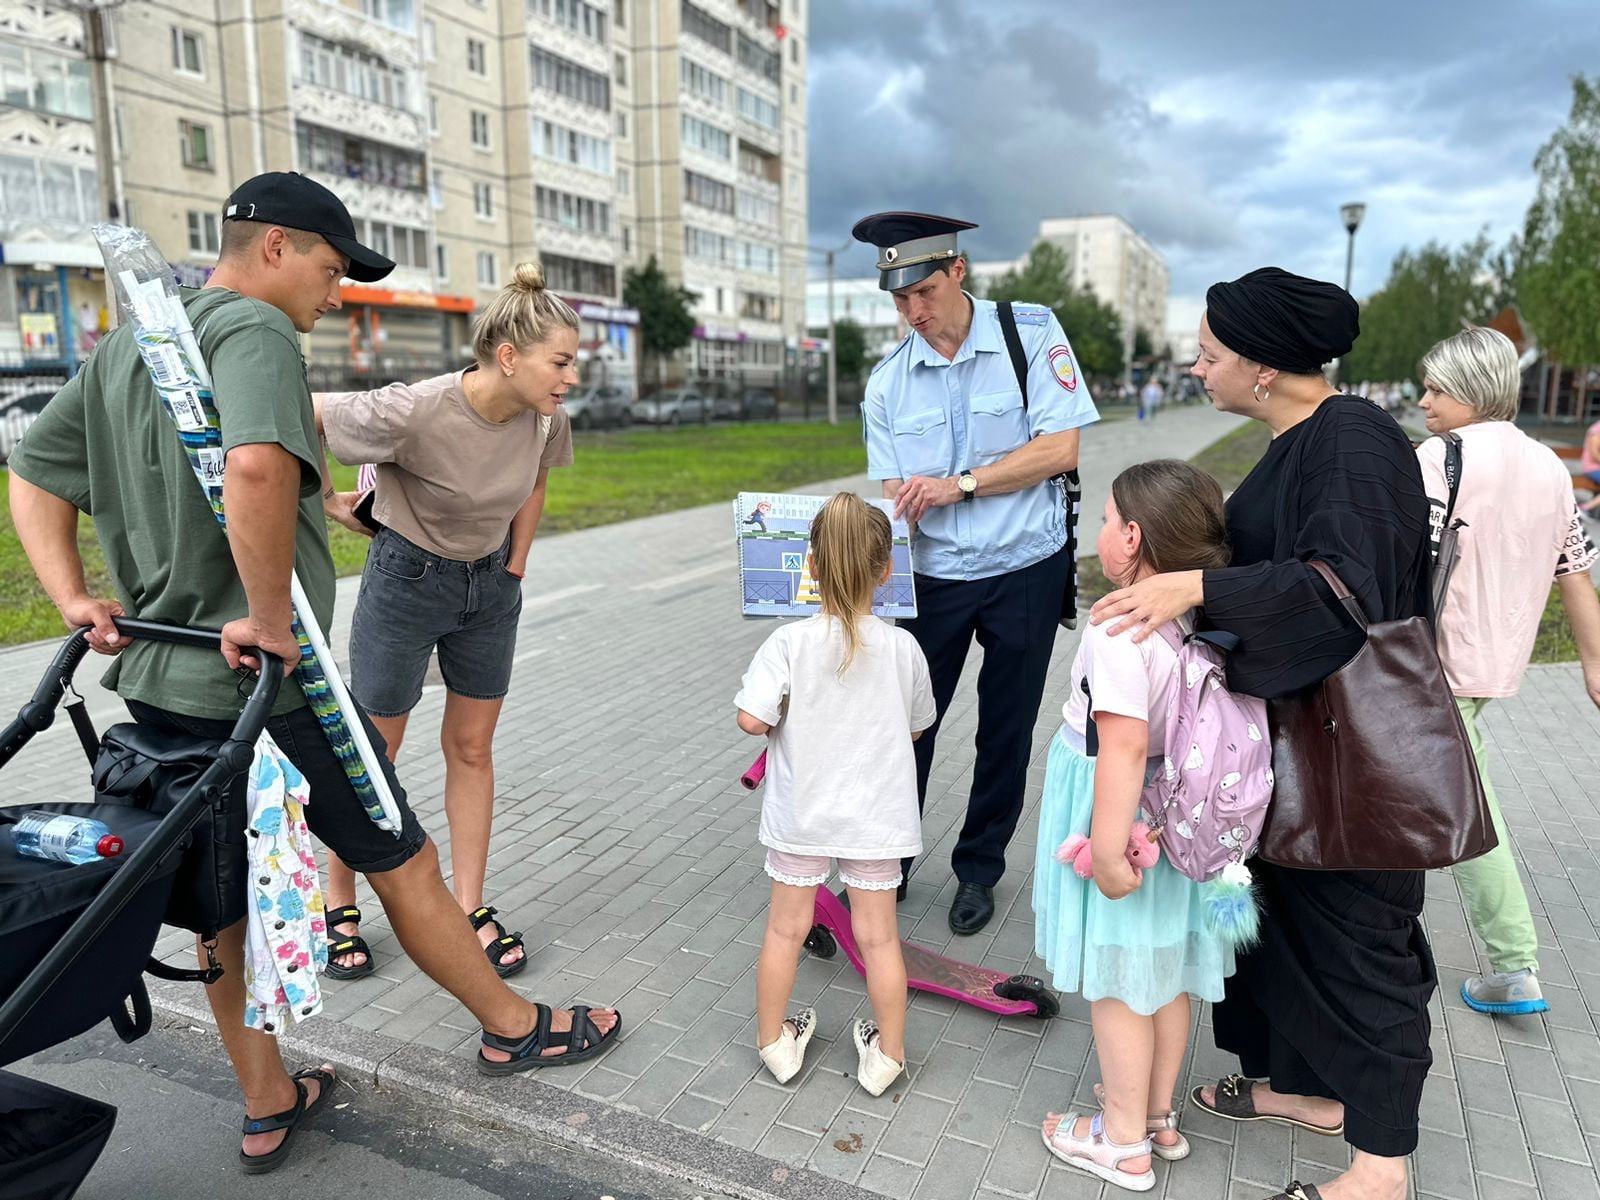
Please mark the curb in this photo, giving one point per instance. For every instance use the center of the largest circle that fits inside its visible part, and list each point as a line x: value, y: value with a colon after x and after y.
x: 531, y: 1106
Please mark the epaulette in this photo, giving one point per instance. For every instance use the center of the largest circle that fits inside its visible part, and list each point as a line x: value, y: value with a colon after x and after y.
x: 1028, y: 314
x: 890, y: 357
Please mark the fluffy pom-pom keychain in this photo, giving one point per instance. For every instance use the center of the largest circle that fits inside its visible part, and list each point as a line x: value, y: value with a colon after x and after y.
x: 1228, y: 907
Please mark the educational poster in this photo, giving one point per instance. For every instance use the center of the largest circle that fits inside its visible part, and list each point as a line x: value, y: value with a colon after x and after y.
x: 774, y: 533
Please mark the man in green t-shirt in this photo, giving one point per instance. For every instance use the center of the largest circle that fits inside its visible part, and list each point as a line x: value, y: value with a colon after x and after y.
x: 103, y: 446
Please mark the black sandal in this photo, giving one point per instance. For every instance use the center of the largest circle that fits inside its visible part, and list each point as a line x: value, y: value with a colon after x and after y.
x: 502, y: 945
x: 289, y: 1119
x: 583, y: 1041
x: 338, y: 947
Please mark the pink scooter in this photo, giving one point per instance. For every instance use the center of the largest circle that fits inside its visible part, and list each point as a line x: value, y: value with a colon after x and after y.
x: 926, y: 971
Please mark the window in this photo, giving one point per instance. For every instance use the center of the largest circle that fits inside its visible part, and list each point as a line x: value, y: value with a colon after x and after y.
x: 758, y: 59
x: 708, y: 138
x: 436, y: 189
x: 794, y: 93
x: 566, y: 78
x: 396, y: 14
x: 430, y: 40
x: 755, y: 306
x: 582, y: 213
x: 564, y: 274
x: 702, y: 81
x: 433, y: 114
x: 708, y: 193
x: 488, y: 270
x: 794, y: 50
x: 620, y: 13
x: 480, y: 129
x: 753, y: 256
x: 758, y: 109
x: 483, y: 200
x: 195, y: 141
x: 757, y: 165
x: 582, y: 18
x: 353, y: 72
x: 702, y: 243
x: 627, y: 239
x: 624, y: 181
x: 477, y: 57
x: 204, y: 235
x: 757, y: 209
x: 621, y: 71
x: 188, y: 52
x: 31, y: 188
x: 406, y: 245
x: 441, y: 262
x: 326, y: 152
x: 560, y: 144
x: 35, y: 78
x: 622, y: 123
x: 701, y: 24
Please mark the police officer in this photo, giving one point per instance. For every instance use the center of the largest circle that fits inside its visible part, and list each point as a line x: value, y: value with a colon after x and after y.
x: 973, y: 464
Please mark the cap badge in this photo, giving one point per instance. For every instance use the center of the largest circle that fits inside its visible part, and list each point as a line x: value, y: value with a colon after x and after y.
x: 890, y: 254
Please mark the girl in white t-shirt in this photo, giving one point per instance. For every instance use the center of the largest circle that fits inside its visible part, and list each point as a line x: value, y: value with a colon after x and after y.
x: 840, y: 697
x: 1134, y: 943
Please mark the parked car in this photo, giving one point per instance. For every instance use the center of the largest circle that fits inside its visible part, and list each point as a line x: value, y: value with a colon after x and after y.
x: 599, y: 405
x: 674, y: 406
x: 17, y: 412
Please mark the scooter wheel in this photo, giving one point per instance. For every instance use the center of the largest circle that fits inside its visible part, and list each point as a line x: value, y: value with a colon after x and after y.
x: 820, y: 942
x: 1027, y: 988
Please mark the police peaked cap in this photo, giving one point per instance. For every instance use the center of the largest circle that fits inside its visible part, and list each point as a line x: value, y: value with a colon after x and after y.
x: 910, y: 245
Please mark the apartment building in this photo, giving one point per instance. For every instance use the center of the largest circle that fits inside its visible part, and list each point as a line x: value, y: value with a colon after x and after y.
x: 464, y: 135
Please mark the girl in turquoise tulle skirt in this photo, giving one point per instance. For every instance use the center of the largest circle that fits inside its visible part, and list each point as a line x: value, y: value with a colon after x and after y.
x: 1133, y: 942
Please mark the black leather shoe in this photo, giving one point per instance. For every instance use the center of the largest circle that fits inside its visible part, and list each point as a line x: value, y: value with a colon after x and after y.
x: 971, y: 909
x: 900, y: 889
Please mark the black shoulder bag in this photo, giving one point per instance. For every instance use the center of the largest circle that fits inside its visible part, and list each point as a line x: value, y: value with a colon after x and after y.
x: 1068, y: 482
x: 1444, y: 555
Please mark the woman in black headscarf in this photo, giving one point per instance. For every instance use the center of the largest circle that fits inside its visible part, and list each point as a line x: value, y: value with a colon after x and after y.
x: 1328, y: 1014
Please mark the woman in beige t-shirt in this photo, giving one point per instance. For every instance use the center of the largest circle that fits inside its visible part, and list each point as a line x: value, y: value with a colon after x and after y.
x: 1519, y: 530
x: 462, y: 461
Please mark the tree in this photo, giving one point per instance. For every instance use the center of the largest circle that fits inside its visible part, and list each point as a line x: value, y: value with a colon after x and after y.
x: 665, y: 322
x: 1142, y: 345
x: 850, y: 344
x: 1558, y: 283
x: 1093, y: 328
x: 1428, y: 294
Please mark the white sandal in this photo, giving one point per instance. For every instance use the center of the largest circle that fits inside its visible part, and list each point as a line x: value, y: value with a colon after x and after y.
x: 785, y: 1056
x: 875, y: 1070
x: 1097, y: 1154
x: 1156, y: 1124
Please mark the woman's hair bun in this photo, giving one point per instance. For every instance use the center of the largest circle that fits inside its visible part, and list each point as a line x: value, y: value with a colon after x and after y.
x: 528, y: 277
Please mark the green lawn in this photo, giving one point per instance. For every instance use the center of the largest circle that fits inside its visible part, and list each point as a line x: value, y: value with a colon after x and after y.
x: 616, y: 476
x: 1229, y: 460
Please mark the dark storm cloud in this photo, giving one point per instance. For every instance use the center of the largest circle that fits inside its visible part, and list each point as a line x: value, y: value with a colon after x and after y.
x: 1228, y: 133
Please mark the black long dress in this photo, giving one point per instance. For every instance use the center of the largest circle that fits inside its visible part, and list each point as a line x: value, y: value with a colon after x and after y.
x: 1334, y: 1000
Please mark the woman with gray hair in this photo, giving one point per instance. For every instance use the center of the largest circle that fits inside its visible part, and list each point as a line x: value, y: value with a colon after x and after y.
x: 1518, y: 526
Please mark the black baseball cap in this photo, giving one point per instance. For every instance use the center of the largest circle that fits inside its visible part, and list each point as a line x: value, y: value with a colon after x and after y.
x: 289, y: 199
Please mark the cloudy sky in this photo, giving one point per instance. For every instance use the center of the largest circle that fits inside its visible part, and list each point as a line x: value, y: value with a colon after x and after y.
x: 1228, y: 132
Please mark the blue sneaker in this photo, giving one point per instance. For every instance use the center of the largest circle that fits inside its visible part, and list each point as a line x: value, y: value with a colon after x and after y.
x: 1505, y: 992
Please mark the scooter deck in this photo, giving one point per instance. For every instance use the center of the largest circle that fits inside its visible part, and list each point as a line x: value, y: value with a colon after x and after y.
x: 927, y: 970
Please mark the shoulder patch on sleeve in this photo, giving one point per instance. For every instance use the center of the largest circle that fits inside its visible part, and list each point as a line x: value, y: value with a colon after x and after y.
x: 1063, y: 367
x: 890, y: 357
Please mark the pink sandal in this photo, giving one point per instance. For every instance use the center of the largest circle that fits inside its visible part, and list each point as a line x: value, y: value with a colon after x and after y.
x: 1098, y: 1154
x: 1156, y: 1123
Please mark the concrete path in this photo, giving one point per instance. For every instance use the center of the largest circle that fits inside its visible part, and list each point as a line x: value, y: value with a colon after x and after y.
x: 627, y: 853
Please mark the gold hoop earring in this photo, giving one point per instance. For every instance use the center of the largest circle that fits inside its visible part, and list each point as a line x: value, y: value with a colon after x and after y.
x: 1256, y: 392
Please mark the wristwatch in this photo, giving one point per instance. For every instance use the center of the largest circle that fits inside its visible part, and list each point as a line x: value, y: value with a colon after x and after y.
x: 968, y: 483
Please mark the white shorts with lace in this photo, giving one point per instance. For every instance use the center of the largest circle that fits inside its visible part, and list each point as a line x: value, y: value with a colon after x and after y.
x: 812, y: 870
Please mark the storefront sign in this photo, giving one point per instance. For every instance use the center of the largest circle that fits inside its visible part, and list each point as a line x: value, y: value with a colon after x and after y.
x: 606, y: 314
x: 385, y: 298
x: 714, y: 333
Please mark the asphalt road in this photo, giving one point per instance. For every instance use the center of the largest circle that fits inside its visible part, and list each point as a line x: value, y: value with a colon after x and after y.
x: 176, y: 1137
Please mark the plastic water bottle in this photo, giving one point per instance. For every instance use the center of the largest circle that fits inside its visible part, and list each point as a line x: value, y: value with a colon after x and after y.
x: 61, y: 837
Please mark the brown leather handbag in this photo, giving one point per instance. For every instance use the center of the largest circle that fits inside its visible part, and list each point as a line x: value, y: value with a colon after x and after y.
x: 1374, y: 769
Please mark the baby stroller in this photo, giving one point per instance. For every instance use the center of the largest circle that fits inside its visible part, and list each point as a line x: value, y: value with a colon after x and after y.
x: 79, y: 938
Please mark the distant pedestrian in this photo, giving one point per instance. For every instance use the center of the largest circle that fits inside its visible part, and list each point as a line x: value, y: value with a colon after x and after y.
x: 1519, y: 529
x: 841, y: 697
x: 1150, y: 399
x: 1590, y: 465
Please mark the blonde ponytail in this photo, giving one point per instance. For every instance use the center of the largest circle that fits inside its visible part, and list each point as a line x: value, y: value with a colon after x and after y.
x: 524, y: 313
x: 850, y: 545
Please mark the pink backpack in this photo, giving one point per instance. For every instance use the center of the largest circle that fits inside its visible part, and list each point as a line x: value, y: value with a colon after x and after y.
x: 1207, y: 801
x: 1210, y: 794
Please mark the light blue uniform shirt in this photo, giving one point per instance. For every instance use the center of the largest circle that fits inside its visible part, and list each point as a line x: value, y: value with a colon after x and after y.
x: 924, y: 415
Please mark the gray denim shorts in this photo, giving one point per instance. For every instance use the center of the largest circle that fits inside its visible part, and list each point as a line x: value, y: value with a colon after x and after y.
x: 412, y: 601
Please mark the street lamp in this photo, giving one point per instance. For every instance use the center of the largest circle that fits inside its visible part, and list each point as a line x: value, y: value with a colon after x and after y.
x: 1351, y: 215
x: 833, y: 354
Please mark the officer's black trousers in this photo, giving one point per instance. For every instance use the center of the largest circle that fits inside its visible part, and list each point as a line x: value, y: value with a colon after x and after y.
x: 1014, y: 618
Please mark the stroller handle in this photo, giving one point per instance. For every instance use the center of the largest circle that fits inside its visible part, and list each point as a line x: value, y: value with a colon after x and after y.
x: 39, y: 713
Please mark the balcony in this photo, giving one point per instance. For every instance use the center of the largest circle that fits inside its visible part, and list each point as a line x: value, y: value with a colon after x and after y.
x: 387, y: 28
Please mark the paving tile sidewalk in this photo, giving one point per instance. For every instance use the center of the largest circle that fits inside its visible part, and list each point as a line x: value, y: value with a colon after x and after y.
x: 627, y: 853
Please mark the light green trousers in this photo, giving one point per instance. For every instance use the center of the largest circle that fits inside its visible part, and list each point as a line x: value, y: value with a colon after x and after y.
x: 1497, y: 905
